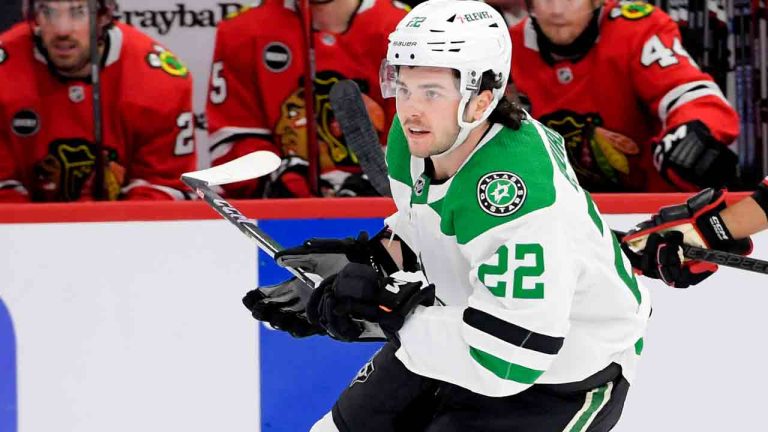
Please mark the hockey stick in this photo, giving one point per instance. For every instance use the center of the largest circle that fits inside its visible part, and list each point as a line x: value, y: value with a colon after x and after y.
x: 313, y: 150
x: 726, y: 259
x: 98, y: 188
x: 250, y: 166
x: 359, y: 134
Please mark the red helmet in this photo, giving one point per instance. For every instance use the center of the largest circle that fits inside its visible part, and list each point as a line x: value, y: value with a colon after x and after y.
x: 106, y: 7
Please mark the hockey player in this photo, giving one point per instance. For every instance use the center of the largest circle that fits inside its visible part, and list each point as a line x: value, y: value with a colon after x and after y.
x: 655, y: 246
x: 513, y: 11
x: 256, y: 97
x: 636, y: 112
x: 47, y: 150
x: 531, y: 320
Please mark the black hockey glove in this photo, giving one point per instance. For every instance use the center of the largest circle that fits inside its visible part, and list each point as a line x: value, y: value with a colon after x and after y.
x: 289, y: 180
x: 358, y: 292
x: 326, y: 257
x: 654, y: 246
x: 689, y: 157
x: 662, y: 258
x: 357, y: 185
x: 283, y: 307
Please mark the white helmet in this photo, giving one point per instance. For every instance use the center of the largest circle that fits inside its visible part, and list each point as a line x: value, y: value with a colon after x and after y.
x: 465, y: 35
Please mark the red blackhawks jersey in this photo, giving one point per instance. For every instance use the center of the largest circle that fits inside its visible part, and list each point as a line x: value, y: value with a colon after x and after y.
x: 256, y: 98
x: 46, y: 122
x: 636, y: 82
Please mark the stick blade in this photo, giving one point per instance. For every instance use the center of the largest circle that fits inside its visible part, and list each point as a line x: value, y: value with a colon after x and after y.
x: 359, y: 133
x: 250, y: 166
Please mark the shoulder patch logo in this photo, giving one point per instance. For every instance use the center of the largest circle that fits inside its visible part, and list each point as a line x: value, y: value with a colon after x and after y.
x: 3, y: 55
x: 76, y: 93
x: 277, y: 56
x: 418, y: 187
x: 632, y: 10
x: 501, y: 193
x: 25, y: 123
x: 163, y: 59
x: 239, y: 12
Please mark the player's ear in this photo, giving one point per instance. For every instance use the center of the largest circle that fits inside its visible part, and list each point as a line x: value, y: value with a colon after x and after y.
x: 480, y: 103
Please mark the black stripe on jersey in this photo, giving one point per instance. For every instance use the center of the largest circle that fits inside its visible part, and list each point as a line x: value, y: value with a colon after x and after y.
x: 512, y: 333
x: 673, y: 102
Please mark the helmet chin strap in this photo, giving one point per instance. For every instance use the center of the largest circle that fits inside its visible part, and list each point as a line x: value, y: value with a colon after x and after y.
x: 466, y: 127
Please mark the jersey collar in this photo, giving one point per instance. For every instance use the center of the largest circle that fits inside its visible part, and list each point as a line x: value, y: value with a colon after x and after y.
x: 536, y: 40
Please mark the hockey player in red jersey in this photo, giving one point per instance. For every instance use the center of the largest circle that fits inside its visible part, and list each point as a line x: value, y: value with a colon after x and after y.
x: 256, y: 97
x: 614, y: 79
x: 47, y: 150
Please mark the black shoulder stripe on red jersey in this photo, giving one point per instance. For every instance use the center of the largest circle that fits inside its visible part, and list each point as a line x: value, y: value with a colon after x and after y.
x: 238, y: 136
x: 631, y: 10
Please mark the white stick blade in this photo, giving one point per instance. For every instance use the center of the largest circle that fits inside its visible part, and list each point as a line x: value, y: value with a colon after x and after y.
x: 250, y: 166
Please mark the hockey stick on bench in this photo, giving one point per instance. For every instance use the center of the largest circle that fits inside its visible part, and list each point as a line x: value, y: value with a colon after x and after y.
x: 247, y: 167
x: 359, y: 133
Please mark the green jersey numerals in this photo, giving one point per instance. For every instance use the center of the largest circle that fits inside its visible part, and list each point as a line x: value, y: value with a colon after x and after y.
x: 528, y: 264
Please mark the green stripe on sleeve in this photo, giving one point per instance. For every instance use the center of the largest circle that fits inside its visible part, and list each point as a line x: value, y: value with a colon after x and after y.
x: 639, y: 346
x: 629, y: 278
x: 503, y: 369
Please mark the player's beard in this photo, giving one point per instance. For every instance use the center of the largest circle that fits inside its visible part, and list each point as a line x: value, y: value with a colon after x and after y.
x: 74, y: 64
x: 440, y: 141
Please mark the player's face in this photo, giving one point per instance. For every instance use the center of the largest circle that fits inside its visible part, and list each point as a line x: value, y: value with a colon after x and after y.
x: 427, y: 99
x: 562, y: 21
x: 65, y: 33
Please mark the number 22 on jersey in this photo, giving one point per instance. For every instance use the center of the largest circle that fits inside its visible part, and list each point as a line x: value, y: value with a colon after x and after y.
x: 527, y: 259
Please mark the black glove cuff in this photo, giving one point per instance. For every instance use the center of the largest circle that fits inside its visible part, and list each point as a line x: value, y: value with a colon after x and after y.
x: 761, y: 196
x: 382, y: 257
x: 714, y: 230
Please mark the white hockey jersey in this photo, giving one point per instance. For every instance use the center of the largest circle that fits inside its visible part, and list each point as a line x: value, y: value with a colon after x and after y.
x: 536, y: 289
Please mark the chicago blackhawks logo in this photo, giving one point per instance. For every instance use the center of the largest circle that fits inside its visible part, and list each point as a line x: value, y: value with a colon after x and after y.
x: 67, y: 171
x: 600, y: 157
x: 291, y: 127
x: 632, y: 10
x: 165, y: 60
x: 501, y: 193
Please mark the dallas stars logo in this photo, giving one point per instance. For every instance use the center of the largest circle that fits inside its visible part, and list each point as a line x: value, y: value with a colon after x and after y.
x: 501, y: 193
